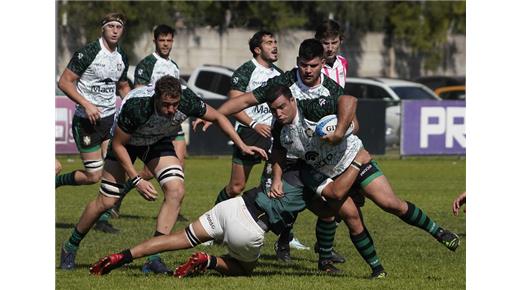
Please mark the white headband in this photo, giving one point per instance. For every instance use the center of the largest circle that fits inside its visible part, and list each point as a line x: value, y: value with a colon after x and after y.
x: 119, y: 21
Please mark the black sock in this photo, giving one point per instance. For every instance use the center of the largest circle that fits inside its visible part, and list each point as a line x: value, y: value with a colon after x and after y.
x: 285, y: 237
x: 212, y: 263
x: 127, y: 256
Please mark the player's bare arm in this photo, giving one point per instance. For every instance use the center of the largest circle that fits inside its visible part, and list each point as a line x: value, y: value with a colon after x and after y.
x: 278, y: 162
x: 144, y: 187
x: 67, y: 85
x: 123, y: 88
x: 213, y: 115
x: 238, y: 104
x: 242, y: 117
x: 346, y: 114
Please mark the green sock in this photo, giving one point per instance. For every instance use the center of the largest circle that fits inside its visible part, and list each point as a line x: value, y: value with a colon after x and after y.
x: 325, y: 232
x: 65, y: 179
x: 365, y: 246
x: 416, y: 217
x: 105, y: 216
x: 72, y: 244
x: 222, y: 195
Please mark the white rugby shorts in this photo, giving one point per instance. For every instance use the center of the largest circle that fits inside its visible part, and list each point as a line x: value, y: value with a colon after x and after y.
x: 231, y: 222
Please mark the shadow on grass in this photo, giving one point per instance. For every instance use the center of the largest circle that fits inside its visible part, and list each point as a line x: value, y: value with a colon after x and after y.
x: 295, y: 259
x: 64, y: 226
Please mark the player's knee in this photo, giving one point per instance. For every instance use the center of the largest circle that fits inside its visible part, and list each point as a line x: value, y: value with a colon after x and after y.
x: 174, y: 194
x: 93, y: 177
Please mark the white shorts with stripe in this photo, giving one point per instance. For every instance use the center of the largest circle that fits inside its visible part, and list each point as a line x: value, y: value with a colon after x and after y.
x: 231, y: 222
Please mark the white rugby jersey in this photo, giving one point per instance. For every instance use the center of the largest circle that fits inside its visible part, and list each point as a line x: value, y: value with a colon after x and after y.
x: 99, y: 70
x: 248, y: 77
x: 300, y: 141
x: 153, y: 67
x: 338, y: 71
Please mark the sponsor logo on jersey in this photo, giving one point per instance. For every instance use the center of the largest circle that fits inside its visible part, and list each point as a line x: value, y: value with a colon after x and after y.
x: 210, y: 221
x: 260, y: 110
x: 80, y: 55
x: 235, y: 80
x: 140, y: 71
x: 103, y: 90
x: 322, y: 102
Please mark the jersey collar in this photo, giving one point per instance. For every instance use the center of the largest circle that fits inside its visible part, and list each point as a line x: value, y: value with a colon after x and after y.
x: 159, y: 57
x: 258, y: 65
x: 302, y: 85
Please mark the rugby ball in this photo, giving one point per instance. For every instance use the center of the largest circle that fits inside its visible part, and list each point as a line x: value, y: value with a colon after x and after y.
x: 326, y: 125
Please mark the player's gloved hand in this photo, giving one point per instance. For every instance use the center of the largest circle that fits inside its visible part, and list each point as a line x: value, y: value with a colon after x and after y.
x: 252, y: 150
x: 263, y: 130
x: 146, y: 189
x: 276, y: 189
x: 205, y: 124
x: 93, y: 113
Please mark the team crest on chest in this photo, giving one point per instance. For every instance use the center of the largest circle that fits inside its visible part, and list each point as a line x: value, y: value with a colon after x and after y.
x: 86, y: 140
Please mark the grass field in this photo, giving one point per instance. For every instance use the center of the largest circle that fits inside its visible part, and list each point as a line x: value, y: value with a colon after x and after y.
x: 413, y: 259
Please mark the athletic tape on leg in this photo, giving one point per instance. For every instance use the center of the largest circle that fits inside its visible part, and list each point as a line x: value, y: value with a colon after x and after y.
x: 93, y: 165
x: 111, y: 189
x: 190, y: 235
x: 170, y: 173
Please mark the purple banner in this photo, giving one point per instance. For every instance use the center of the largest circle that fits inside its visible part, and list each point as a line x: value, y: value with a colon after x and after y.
x: 64, y: 141
x: 433, y: 128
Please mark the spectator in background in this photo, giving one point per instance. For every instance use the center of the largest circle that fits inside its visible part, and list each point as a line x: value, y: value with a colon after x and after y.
x: 458, y: 203
x: 93, y: 76
x: 330, y: 34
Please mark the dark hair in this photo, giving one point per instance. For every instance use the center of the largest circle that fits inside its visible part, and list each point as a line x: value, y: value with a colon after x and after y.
x: 114, y: 16
x: 163, y: 29
x: 278, y: 90
x: 256, y: 40
x: 310, y: 48
x: 168, y: 85
x: 328, y: 28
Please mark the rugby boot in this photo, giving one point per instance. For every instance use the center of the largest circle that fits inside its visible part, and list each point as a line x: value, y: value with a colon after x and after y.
x: 196, y: 264
x: 107, y: 264
x: 448, y: 239
x: 67, y: 259
x: 327, y: 266
x: 283, y: 253
x: 156, y: 266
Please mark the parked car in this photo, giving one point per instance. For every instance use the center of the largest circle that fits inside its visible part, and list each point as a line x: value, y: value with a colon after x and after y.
x: 434, y: 82
x: 211, y: 81
x: 451, y: 92
x: 392, y: 91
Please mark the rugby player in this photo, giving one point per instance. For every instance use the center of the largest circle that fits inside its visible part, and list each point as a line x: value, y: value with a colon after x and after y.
x: 240, y: 223
x: 144, y: 128
x: 307, y: 81
x: 91, y: 80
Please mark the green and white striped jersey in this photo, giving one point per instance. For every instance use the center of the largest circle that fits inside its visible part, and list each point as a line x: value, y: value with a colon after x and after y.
x: 248, y: 77
x: 300, y: 140
x: 139, y: 118
x: 153, y: 67
x: 99, y: 70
